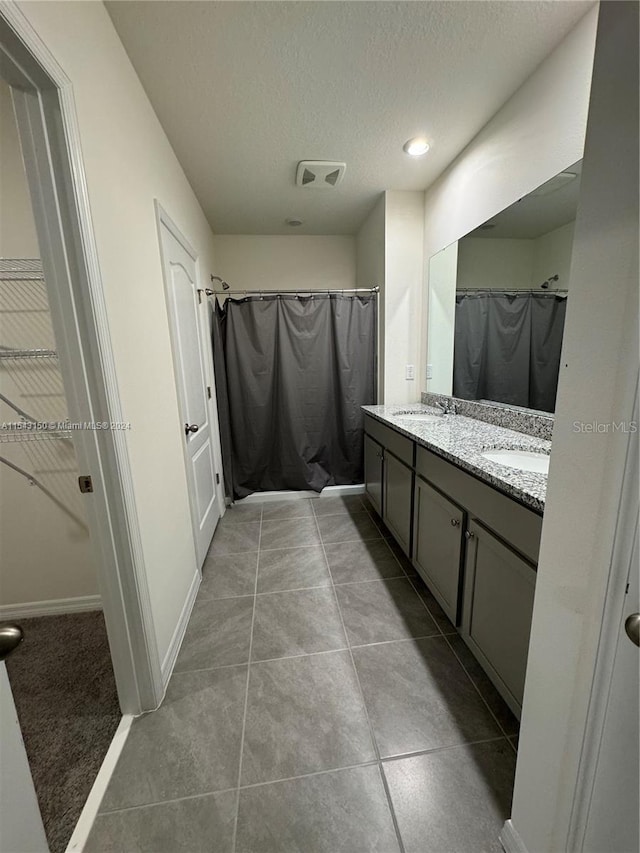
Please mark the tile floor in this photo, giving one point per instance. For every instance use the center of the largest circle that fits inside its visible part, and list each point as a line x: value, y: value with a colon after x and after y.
x: 321, y: 703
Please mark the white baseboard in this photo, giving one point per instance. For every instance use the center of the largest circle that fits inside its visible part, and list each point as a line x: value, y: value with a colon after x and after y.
x: 178, y: 635
x: 89, y: 812
x: 54, y: 607
x: 510, y: 839
x: 327, y: 492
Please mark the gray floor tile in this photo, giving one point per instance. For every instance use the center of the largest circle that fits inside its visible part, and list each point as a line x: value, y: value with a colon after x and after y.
x: 347, y: 528
x: 278, y: 510
x: 304, y: 714
x: 228, y: 576
x: 194, y: 825
x: 341, y: 505
x: 190, y: 745
x: 235, y: 539
x: 341, y: 812
x: 377, y: 611
x: 218, y: 634
x: 494, y: 700
x: 419, y: 697
x: 439, y: 616
x: 241, y: 513
x: 289, y: 533
x: 453, y: 800
x: 292, y: 568
x: 296, y: 623
x: 362, y: 561
x: 384, y: 530
x: 404, y: 561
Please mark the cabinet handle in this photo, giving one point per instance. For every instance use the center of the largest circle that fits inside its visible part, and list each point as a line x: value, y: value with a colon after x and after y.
x: 455, y: 522
x: 469, y: 535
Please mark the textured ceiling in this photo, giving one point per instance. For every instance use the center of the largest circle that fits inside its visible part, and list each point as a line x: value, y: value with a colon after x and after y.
x: 532, y: 216
x: 244, y: 90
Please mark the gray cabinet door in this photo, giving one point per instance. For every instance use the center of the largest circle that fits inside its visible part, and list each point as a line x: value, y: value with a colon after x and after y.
x: 437, y: 545
x: 499, y: 587
x: 397, y: 500
x: 373, y: 472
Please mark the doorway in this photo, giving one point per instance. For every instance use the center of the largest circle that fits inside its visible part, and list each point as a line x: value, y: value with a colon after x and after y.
x: 56, y: 314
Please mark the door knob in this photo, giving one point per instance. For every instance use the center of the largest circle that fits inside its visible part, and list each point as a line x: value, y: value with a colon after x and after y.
x: 455, y: 522
x: 632, y: 627
x: 469, y: 534
x: 10, y: 638
x: 190, y: 428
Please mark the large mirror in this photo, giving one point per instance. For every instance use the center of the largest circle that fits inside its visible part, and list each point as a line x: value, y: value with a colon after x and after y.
x: 497, y: 301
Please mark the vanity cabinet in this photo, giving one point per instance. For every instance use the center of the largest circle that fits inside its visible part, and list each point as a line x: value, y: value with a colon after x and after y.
x: 498, y: 603
x: 438, y: 526
x: 475, y: 548
x: 373, y: 472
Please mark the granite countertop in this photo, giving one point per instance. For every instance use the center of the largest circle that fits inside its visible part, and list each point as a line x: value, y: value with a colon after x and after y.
x: 462, y: 440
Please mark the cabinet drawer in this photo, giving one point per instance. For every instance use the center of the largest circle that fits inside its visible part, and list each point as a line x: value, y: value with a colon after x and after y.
x: 399, y: 445
x: 517, y: 525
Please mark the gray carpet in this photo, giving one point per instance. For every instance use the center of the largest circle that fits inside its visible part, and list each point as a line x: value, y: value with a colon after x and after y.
x: 65, y: 694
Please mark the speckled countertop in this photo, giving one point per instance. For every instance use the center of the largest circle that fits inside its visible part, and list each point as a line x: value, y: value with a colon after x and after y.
x: 462, y: 440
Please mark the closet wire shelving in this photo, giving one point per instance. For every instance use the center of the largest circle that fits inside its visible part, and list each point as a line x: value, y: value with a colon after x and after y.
x: 35, y: 375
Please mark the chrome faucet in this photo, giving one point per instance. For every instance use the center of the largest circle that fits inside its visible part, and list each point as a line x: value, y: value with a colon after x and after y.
x: 448, y: 407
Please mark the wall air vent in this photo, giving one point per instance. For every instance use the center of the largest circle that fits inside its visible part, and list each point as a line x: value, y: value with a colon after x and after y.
x: 319, y: 174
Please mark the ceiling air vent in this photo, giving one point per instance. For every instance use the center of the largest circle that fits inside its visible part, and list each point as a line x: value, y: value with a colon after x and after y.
x: 319, y: 174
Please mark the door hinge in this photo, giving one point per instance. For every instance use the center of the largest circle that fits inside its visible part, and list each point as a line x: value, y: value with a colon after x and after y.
x: 209, y: 391
x: 85, y: 484
x: 218, y: 479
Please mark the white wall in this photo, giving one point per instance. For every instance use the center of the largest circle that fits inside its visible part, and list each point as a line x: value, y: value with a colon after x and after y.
x: 390, y: 254
x: 552, y: 255
x: 443, y: 272
x: 370, y: 271
x: 404, y: 271
x: 536, y: 134
x: 515, y: 264
x: 287, y: 262
x: 17, y: 228
x: 129, y: 162
x: 45, y: 553
x: 597, y: 383
x: 500, y: 264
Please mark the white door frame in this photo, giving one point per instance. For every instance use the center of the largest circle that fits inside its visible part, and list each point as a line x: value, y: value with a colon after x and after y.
x: 50, y: 138
x: 613, y: 610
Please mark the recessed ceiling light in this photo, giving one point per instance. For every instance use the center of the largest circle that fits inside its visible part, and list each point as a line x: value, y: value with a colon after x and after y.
x: 416, y: 147
x: 293, y: 222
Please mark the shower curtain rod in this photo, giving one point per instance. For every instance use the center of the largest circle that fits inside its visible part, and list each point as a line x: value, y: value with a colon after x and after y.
x: 256, y: 292
x: 506, y: 290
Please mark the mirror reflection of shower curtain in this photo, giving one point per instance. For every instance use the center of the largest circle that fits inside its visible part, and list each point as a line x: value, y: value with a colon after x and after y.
x: 507, y: 347
x: 291, y: 375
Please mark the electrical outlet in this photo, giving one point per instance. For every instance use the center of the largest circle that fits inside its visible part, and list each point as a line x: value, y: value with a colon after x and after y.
x: 429, y: 371
x: 410, y: 371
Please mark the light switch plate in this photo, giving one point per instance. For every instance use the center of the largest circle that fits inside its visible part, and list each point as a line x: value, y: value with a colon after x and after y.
x: 429, y: 371
x: 410, y: 371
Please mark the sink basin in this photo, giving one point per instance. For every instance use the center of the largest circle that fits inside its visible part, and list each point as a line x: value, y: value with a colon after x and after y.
x: 523, y: 460
x: 423, y: 417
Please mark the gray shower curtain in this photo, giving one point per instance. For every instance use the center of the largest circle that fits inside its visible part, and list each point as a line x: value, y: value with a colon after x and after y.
x: 291, y: 375
x: 507, y: 347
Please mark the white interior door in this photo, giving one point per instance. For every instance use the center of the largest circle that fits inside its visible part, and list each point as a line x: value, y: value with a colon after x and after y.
x: 613, y: 822
x: 21, y: 826
x: 181, y: 283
